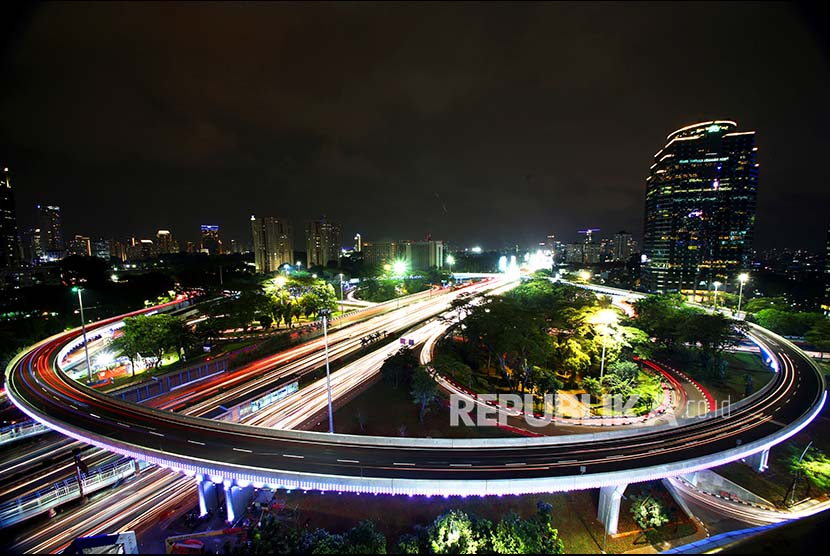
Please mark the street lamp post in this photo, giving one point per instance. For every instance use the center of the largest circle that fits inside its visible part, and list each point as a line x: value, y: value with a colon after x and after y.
x: 83, y: 329
x: 450, y: 261
x: 605, y: 317
x: 325, y: 314
x: 743, y: 278
x: 717, y: 285
x: 341, y: 293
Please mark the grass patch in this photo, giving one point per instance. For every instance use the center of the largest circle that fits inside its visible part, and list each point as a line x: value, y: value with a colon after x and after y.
x: 733, y: 387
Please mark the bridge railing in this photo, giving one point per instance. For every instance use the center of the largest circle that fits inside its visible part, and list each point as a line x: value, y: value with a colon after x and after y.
x: 42, y: 501
x: 21, y: 430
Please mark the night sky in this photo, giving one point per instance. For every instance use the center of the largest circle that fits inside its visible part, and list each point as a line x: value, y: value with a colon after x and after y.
x: 476, y: 123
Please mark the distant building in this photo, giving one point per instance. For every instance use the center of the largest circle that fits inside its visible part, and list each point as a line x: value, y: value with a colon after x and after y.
x: 273, y: 243
x: 379, y: 253
x: 50, y: 223
x: 101, y: 248
x: 322, y: 243
x: 574, y: 253
x: 9, y: 247
x: 30, y: 244
x: 79, y: 245
x: 118, y: 250
x: 419, y: 255
x: 211, y: 242
x: 700, y: 208
x: 142, y: 250
x: 624, y: 246
x: 165, y: 242
x: 358, y: 243
x: 826, y: 305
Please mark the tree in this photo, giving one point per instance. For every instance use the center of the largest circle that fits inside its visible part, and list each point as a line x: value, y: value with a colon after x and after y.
x: 452, y: 533
x: 408, y: 544
x: 815, y: 466
x: 535, y: 535
x: 424, y: 390
x: 593, y: 387
x: 448, y: 365
x: 819, y: 336
x: 398, y: 367
x: 627, y: 371
x: 150, y: 335
x: 363, y: 538
x: 648, y: 512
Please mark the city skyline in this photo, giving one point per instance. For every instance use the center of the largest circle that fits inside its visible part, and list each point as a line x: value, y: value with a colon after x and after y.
x: 420, y: 152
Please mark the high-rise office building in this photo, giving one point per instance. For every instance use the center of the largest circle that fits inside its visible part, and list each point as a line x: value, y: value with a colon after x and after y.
x: 418, y: 255
x: 322, y: 243
x: 165, y: 242
x: 623, y: 246
x: 80, y: 246
x: 358, y: 243
x: 51, y: 232
x: 379, y: 253
x: 9, y: 248
x: 211, y: 242
x: 101, y: 248
x: 273, y: 243
x: 700, y: 208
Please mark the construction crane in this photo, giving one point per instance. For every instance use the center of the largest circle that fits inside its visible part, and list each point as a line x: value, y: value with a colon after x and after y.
x: 588, y: 233
x: 181, y: 544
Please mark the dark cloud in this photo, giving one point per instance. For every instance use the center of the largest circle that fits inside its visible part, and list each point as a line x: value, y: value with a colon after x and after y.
x: 494, y: 123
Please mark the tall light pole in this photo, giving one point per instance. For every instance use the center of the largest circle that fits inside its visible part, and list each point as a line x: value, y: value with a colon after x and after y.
x: 606, y: 317
x: 83, y: 329
x: 325, y: 314
x: 743, y: 278
x: 717, y: 285
x: 341, y: 293
x: 450, y: 261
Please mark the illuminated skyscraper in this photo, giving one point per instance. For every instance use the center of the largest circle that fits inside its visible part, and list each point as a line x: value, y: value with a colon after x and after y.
x: 9, y: 249
x: 80, y: 246
x: 273, y: 243
x: 51, y: 232
x: 322, y: 243
x: 210, y: 239
x: 165, y: 242
x: 700, y: 208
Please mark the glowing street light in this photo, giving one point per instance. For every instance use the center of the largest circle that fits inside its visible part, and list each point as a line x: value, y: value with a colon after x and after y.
x: 743, y: 278
x: 606, y: 318
x: 399, y: 267
x: 83, y: 329
x: 585, y: 275
x: 717, y: 285
x: 450, y: 261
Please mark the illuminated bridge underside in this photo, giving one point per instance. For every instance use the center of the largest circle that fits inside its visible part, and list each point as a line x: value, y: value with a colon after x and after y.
x: 244, y: 455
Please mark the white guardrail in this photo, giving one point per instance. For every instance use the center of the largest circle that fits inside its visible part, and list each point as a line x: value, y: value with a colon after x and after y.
x: 57, y: 494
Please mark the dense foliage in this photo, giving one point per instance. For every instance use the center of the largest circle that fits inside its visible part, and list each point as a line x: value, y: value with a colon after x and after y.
x: 452, y: 532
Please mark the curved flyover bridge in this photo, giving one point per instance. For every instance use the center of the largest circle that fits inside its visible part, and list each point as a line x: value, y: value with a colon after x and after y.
x: 240, y: 457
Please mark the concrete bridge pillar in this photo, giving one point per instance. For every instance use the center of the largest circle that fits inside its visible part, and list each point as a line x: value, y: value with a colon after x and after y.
x: 759, y: 461
x: 236, y: 499
x: 208, y: 495
x: 609, y: 507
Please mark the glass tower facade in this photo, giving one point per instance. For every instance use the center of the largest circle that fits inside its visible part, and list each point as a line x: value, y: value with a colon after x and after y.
x: 700, y: 208
x: 9, y: 251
